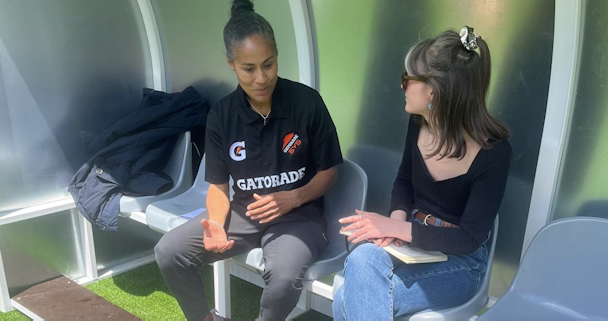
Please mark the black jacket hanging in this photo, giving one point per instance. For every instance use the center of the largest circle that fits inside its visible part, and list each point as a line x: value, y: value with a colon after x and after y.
x: 129, y: 156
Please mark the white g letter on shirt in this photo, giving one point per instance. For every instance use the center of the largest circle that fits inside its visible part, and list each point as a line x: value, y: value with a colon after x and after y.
x: 237, y: 151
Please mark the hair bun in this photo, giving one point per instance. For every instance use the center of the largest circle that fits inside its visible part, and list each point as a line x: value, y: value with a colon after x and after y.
x: 241, y: 6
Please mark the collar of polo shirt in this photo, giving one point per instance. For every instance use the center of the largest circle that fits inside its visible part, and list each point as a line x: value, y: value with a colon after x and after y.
x: 280, y: 107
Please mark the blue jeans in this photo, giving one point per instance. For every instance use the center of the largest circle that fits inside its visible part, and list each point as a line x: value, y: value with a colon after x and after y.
x: 378, y: 287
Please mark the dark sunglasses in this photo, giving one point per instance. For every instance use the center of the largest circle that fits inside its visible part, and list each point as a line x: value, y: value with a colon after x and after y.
x: 405, y: 77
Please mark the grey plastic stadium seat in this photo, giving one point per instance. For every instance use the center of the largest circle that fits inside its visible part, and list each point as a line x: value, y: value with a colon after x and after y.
x: 461, y: 312
x: 562, y: 276
x: 179, y: 168
x: 164, y: 216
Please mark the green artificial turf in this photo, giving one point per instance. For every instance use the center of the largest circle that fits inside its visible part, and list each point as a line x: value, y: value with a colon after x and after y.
x: 13, y: 315
x: 143, y: 293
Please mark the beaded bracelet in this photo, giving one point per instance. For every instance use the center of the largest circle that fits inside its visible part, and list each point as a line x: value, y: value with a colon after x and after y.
x: 216, y: 223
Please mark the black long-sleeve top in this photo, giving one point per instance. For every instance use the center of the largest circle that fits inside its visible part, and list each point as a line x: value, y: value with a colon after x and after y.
x: 470, y: 201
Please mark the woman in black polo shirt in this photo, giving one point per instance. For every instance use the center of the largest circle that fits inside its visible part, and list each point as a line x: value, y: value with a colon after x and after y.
x: 276, y: 140
x: 447, y: 192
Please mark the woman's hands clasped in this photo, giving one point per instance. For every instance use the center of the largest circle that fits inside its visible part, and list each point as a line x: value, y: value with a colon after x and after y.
x: 269, y: 207
x: 371, y: 226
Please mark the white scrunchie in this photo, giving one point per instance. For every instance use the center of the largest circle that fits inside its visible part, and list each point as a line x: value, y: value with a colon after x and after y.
x: 468, y: 38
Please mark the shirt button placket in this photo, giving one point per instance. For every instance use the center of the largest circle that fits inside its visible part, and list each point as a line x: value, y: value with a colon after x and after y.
x: 266, y: 145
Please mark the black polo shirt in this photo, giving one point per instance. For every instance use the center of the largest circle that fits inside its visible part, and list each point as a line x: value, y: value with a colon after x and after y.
x: 298, y: 140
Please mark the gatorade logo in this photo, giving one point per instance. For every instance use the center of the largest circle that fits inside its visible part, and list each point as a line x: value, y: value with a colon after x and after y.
x: 237, y: 151
x: 271, y: 181
x: 291, y: 141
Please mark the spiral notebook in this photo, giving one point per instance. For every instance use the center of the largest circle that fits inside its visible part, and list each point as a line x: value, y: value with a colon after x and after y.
x: 408, y: 254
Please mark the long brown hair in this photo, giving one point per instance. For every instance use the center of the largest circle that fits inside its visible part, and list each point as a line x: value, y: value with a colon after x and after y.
x: 460, y: 80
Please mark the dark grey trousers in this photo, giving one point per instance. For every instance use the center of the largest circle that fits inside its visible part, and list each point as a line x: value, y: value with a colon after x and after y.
x: 290, y: 245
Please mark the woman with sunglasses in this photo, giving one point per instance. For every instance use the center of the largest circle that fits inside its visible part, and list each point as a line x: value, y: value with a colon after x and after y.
x: 447, y: 192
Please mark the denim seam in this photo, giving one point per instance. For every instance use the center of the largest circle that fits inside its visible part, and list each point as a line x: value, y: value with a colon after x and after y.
x: 392, y: 300
x: 480, y: 259
x: 477, y: 265
x: 427, y: 275
x: 344, y: 304
x: 478, y: 282
x: 344, y: 289
x: 391, y: 290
